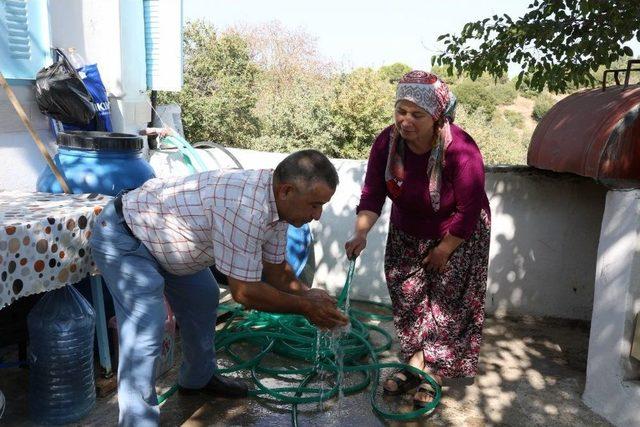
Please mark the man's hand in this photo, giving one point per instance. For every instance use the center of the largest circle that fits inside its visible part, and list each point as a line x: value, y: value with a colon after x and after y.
x: 319, y: 294
x: 315, y: 304
x: 321, y: 310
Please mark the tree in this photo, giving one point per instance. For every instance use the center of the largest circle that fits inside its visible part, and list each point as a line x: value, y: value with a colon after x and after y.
x: 293, y: 91
x: 362, y: 106
x: 558, y: 43
x: 394, y: 72
x: 219, y: 91
x: 476, y: 96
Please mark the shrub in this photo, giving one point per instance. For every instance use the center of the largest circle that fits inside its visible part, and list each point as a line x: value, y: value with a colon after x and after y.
x: 362, y: 106
x: 514, y: 118
x: 394, y: 72
x: 475, y: 96
x: 498, y: 141
x: 219, y: 91
x: 268, y: 90
x: 505, y: 94
x: 543, y: 103
x: 524, y: 89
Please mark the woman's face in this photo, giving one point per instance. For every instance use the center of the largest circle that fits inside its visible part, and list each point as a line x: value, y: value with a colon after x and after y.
x: 414, y: 123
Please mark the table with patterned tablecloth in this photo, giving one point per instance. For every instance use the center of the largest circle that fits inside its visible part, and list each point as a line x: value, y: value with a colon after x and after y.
x: 43, y: 241
x: 44, y: 246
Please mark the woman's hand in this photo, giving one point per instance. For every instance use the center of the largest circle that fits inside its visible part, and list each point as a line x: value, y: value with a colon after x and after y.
x: 437, y: 259
x: 355, y: 245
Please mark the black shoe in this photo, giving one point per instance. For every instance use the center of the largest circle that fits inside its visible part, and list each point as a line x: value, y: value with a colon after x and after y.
x: 219, y: 385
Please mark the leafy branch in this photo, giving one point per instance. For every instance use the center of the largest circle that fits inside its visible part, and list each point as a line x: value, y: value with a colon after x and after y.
x: 557, y: 43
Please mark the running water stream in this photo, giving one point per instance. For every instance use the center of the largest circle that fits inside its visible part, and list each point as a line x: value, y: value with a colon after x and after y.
x: 317, y: 365
x: 331, y: 340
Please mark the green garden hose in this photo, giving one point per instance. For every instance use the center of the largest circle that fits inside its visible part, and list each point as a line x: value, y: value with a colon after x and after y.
x: 292, y: 336
x: 189, y: 154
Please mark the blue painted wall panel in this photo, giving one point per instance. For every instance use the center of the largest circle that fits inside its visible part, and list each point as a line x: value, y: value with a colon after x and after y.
x: 24, y: 38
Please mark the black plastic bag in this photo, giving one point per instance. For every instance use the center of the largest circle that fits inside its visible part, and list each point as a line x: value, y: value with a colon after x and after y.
x: 61, y: 94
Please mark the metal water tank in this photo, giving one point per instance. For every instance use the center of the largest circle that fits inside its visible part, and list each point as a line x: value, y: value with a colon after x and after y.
x: 594, y: 133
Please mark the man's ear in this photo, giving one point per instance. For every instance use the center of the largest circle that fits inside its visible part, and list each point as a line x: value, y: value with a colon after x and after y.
x: 284, y: 190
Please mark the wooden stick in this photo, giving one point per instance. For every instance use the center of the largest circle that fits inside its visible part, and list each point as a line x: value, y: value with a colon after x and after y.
x: 34, y: 135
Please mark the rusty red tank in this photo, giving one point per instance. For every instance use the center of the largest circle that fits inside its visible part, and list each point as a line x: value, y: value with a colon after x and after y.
x: 593, y: 133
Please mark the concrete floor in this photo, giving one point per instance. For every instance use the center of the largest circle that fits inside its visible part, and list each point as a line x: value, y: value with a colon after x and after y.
x: 532, y: 372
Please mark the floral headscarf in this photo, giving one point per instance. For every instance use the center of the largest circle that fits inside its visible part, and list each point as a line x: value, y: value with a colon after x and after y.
x: 430, y: 93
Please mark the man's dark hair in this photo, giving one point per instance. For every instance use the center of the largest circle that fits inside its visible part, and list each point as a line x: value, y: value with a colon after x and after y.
x: 306, y: 167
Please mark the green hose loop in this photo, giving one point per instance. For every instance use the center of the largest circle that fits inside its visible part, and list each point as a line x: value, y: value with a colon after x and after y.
x: 292, y: 336
x: 189, y: 154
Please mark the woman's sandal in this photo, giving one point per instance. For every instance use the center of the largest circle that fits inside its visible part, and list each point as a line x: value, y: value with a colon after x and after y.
x: 424, y: 389
x: 404, y: 379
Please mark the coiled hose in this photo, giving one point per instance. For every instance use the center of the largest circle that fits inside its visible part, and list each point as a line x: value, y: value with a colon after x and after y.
x: 294, y: 337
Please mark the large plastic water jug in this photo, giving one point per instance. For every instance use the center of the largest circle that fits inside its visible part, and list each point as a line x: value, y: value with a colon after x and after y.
x: 97, y: 162
x: 61, y: 377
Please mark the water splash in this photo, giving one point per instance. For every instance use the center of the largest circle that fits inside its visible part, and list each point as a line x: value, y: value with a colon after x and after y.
x: 317, y: 364
x: 334, y: 337
x: 338, y: 354
x: 347, y: 306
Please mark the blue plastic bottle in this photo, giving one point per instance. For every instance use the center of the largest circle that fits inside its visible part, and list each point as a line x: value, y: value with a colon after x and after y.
x: 61, y: 377
x: 97, y: 162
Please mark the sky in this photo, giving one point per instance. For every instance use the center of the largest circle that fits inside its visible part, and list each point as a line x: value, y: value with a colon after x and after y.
x: 360, y: 33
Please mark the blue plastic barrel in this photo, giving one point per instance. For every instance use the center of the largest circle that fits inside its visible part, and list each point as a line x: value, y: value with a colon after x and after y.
x: 97, y: 162
x: 61, y: 379
x: 298, y: 242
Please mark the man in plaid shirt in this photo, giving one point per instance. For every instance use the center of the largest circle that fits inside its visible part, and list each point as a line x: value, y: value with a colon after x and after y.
x: 160, y: 240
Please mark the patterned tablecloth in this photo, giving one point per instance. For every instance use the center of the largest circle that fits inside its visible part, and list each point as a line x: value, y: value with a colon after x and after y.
x: 43, y: 241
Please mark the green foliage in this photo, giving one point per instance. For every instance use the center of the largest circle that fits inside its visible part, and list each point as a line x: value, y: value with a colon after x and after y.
x: 525, y: 90
x: 361, y: 107
x: 558, y: 43
x: 294, y: 117
x: 543, y: 103
x: 267, y: 90
x: 504, y: 93
x: 340, y: 116
x: 449, y: 78
x: 219, y: 90
x: 499, y: 142
x: 514, y: 118
x: 393, y: 73
x: 475, y: 96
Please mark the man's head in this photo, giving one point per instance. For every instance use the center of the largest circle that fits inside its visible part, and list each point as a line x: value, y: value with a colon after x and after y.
x: 302, y: 183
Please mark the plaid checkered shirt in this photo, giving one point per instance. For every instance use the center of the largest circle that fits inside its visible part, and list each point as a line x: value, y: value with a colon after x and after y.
x: 223, y: 218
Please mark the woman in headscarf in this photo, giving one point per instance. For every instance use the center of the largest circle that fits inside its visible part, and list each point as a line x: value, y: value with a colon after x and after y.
x: 437, y: 249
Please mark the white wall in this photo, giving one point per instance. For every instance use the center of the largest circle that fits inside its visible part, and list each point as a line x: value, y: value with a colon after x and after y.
x: 613, y: 377
x: 20, y: 159
x: 109, y: 33
x: 544, y: 236
x: 544, y: 241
